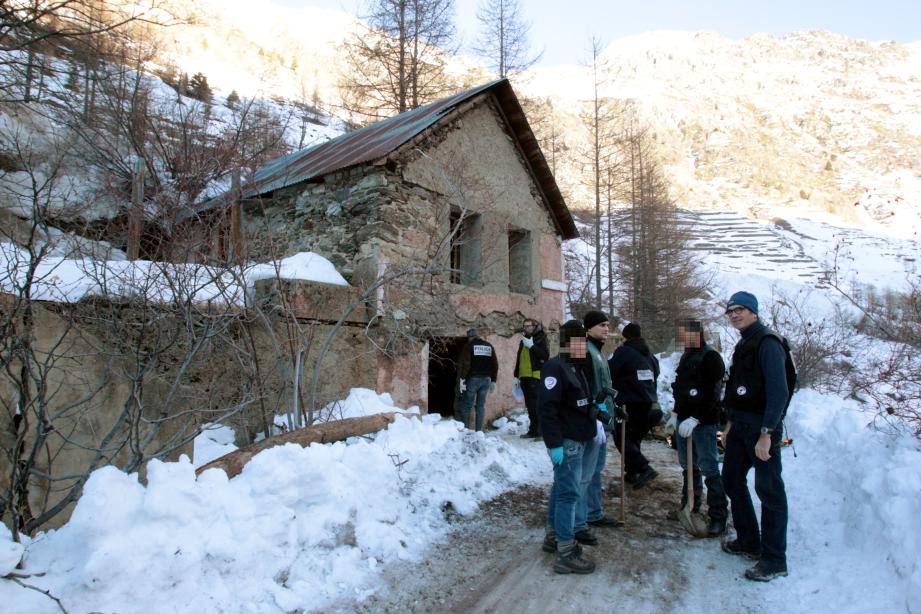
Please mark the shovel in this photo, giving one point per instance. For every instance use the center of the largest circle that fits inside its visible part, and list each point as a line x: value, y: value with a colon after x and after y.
x: 693, y: 523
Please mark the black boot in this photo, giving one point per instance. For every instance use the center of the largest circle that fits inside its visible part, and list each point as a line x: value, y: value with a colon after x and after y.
x: 717, y: 506
x: 549, y: 544
x: 569, y: 560
x: 716, y: 527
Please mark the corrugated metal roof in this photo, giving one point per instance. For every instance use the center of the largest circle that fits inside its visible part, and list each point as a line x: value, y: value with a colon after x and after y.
x: 367, y: 144
x: 377, y: 141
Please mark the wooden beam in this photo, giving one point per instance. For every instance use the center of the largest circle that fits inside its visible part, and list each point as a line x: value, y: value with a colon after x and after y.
x: 326, y: 432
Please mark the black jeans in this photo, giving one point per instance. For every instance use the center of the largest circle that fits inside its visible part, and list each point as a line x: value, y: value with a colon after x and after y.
x: 640, y: 420
x: 738, y: 460
x: 529, y: 387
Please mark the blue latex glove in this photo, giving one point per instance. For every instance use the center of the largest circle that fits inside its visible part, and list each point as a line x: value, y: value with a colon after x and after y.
x: 492, y: 386
x: 556, y: 456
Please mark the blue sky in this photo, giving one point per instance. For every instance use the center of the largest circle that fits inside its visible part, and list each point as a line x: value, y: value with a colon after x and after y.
x: 564, y: 28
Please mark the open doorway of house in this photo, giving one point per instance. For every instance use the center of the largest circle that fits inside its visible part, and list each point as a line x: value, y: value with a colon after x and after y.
x: 443, y: 354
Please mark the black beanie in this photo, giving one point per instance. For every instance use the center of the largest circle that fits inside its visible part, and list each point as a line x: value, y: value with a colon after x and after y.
x: 632, y: 331
x: 572, y: 328
x: 593, y: 319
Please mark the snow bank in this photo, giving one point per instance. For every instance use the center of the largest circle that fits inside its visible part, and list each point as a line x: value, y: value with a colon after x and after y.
x: 69, y: 280
x: 854, y: 511
x: 298, y: 529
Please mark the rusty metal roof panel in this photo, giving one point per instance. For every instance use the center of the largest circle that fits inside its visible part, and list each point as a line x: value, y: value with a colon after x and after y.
x: 364, y: 145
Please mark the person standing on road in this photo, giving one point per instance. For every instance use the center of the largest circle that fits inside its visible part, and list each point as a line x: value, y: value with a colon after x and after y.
x: 532, y: 353
x: 697, y: 390
x: 567, y: 425
x: 477, y: 369
x: 634, y: 373
x: 596, y: 330
x: 755, y: 399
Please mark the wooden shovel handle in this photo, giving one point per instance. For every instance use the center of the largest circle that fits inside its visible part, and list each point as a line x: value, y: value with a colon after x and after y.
x: 690, y: 466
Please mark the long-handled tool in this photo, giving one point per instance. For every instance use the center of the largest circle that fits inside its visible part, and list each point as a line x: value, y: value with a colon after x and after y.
x: 693, y: 523
x: 623, y: 484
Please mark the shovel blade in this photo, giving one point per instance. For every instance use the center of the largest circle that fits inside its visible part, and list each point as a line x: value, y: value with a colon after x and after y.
x: 692, y: 523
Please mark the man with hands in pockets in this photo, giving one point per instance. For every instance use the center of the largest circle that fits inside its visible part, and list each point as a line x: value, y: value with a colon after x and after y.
x: 568, y: 422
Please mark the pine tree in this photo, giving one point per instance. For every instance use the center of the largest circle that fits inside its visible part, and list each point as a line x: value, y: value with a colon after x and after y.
x: 199, y: 88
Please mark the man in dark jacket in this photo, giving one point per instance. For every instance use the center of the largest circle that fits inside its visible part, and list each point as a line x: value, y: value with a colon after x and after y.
x: 634, y: 373
x: 697, y: 390
x: 592, y: 512
x: 756, y: 397
x: 567, y: 424
x: 477, y: 369
x: 532, y: 353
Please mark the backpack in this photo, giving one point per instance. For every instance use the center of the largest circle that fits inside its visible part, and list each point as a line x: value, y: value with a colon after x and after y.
x: 790, y: 370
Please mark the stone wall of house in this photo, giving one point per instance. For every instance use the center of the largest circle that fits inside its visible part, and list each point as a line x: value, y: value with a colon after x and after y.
x: 374, y: 217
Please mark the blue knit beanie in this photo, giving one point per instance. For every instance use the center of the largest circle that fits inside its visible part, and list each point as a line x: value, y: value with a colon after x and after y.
x: 744, y: 299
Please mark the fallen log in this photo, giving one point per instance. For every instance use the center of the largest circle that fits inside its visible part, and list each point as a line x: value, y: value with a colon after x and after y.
x: 326, y: 432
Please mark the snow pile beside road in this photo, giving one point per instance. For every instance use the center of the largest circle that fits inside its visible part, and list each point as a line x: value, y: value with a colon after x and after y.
x: 854, y: 510
x: 298, y: 529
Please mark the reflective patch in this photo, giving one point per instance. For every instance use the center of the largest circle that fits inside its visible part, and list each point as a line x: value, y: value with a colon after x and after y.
x: 549, y: 382
x: 741, y: 390
x: 581, y: 402
x: 645, y: 375
x: 693, y: 392
x: 482, y: 350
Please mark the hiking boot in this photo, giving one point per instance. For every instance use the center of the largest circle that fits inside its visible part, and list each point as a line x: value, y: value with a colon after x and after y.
x: 584, y: 536
x: 716, y: 527
x: 629, y: 478
x: 549, y: 544
x: 605, y: 522
x: 765, y: 572
x: 644, y: 477
x: 569, y: 560
x: 734, y: 547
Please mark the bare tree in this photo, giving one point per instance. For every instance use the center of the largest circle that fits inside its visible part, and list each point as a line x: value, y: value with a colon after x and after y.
x: 397, y: 61
x: 503, y: 38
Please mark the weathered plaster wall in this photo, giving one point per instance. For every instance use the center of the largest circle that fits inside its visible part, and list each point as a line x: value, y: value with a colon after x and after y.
x: 88, y: 355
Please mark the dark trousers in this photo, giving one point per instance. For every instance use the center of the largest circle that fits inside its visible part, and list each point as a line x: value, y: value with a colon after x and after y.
x: 769, y: 486
x: 640, y: 420
x: 529, y: 387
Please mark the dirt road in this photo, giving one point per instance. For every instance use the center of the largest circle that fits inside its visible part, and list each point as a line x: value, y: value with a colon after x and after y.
x: 493, y: 561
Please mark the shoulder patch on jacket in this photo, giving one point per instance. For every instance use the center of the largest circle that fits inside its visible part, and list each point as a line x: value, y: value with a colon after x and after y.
x: 549, y: 382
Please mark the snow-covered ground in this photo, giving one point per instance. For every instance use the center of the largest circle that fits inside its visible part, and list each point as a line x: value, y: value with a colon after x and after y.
x: 304, y: 527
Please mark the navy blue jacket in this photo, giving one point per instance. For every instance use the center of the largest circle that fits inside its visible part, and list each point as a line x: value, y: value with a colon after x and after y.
x: 564, y: 403
x: 762, y: 374
x: 634, y: 372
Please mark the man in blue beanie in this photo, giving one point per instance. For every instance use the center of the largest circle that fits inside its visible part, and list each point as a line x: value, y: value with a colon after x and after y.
x: 756, y: 399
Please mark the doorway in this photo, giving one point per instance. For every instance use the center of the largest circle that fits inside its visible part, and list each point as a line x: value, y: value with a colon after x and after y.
x: 443, y: 354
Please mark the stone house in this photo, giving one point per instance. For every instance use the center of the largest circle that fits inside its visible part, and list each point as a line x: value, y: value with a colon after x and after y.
x: 453, y: 204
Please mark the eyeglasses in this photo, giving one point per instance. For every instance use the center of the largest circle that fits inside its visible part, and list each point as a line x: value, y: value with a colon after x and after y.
x: 735, y: 310
x: 530, y: 325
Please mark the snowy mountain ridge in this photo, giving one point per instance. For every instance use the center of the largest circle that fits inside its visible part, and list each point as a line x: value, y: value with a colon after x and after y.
x: 812, y: 121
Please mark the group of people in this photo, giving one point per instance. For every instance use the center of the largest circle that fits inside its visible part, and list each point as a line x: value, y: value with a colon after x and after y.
x: 582, y: 397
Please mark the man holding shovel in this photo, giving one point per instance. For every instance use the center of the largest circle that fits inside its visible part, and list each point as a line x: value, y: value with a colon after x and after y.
x: 756, y: 397
x: 697, y: 391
